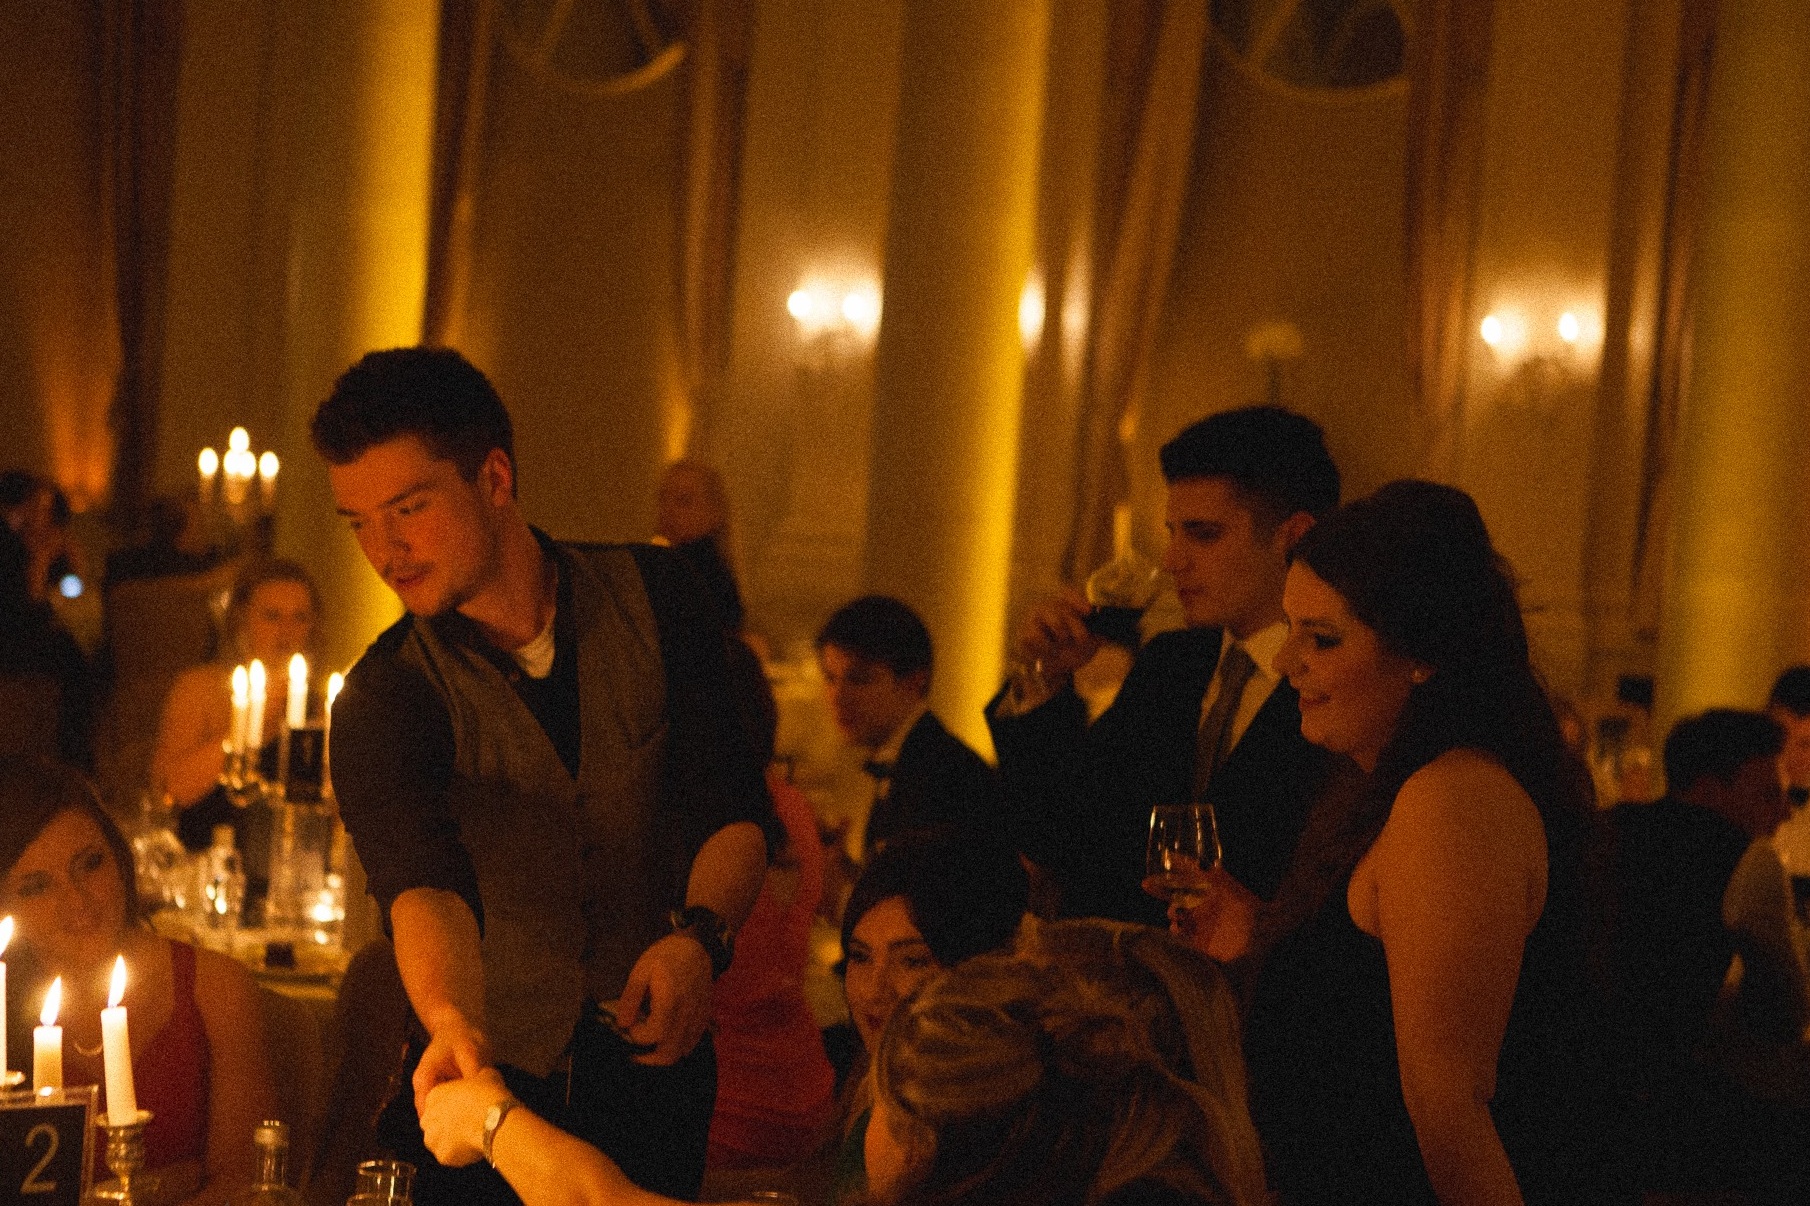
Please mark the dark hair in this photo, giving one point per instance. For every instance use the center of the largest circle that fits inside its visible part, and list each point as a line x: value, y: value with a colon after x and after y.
x: 258, y: 573
x: 434, y: 394
x: 1792, y: 691
x: 1717, y: 744
x: 880, y: 629
x: 966, y: 891
x: 35, y: 791
x: 1276, y: 458
x: 1415, y: 564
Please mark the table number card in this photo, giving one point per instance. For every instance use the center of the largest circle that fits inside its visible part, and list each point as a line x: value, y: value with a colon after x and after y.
x: 44, y: 1146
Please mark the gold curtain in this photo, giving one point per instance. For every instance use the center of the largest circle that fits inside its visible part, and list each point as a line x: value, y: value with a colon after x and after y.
x: 1155, y: 57
x: 706, y: 44
x: 1448, y: 72
x: 1671, y: 344
x: 143, y: 48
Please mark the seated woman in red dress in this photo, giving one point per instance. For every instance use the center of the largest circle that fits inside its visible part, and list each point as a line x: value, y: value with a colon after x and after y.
x: 198, y: 1048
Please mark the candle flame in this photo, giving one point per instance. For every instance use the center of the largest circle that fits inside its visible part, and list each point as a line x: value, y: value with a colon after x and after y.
x: 259, y: 678
x: 208, y: 462
x: 336, y: 683
x: 6, y: 933
x: 241, y: 685
x: 53, y: 1003
x: 116, y: 991
x: 267, y: 468
x: 298, y: 669
x: 239, y: 440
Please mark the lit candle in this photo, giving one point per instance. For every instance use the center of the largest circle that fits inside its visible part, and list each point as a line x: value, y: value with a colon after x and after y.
x: 241, y: 708
x: 336, y: 683
x: 47, y: 1042
x: 298, y: 691
x: 209, y: 464
x: 6, y: 938
x: 267, y: 477
x: 254, y: 719
x: 116, y: 1052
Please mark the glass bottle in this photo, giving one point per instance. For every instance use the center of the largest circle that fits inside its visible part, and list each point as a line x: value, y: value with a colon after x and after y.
x: 270, y: 1186
x: 222, y: 889
x: 158, y: 856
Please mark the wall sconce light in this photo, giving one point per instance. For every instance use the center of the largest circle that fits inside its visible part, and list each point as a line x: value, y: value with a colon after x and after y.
x: 1032, y: 310
x: 820, y: 308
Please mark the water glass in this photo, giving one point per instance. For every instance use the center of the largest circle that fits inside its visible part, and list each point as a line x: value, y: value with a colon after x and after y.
x: 390, y: 1181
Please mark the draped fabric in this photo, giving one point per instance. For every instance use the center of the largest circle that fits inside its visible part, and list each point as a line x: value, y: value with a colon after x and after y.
x: 1155, y: 56
x: 1672, y: 335
x: 615, y: 137
x: 1448, y: 72
x: 143, y: 48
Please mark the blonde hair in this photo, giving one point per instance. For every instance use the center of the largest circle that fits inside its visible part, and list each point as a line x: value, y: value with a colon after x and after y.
x: 1188, y: 1010
x: 1033, y: 1085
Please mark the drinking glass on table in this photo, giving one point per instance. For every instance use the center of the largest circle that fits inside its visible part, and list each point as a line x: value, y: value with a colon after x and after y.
x: 384, y: 1181
x: 1183, y: 845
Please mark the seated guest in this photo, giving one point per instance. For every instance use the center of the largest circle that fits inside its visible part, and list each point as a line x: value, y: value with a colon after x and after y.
x: 1696, y: 883
x: 198, y: 1050
x: 876, y: 659
x: 775, y: 1090
x: 37, y: 511
x: 1185, y: 1005
x: 49, y: 685
x: 271, y: 615
x: 1001, y: 1081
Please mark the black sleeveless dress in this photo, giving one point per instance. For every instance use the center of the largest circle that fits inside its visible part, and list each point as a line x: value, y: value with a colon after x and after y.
x: 1325, y: 1085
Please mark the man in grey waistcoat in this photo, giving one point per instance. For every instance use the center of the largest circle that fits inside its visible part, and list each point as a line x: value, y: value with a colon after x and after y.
x: 542, y: 773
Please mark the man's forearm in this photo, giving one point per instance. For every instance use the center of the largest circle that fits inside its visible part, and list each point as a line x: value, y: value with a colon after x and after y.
x: 437, y: 952
x: 727, y: 874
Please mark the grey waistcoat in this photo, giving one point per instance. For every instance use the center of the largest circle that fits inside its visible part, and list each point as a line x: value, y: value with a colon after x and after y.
x: 577, y: 877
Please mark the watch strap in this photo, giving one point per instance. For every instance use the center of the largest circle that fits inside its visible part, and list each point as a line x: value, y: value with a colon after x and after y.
x: 493, y: 1121
x: 711, y: 933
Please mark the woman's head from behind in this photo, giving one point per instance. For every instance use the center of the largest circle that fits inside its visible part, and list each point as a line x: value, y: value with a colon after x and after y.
x: 272, y: 613
x: 66, y: 873
x: 1008, y: 1081
x: 1185, y: 1006
x: 1405, y: 632
x: 926, y: 901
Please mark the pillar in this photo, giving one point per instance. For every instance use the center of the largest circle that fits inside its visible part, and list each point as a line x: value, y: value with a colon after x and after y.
x: 357, y: 264
x: 1735, y: 601
x: 950, y: 361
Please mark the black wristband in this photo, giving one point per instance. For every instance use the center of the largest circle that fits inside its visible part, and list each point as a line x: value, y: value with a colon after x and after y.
x: 711, y: 933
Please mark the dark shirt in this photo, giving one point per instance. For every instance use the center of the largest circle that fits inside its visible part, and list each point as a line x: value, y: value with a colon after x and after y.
x: 393, y: 747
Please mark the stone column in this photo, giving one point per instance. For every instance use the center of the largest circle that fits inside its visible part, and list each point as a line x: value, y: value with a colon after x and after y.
x: 357, y: 262
x: 1738, y: 581
x: 950, y: 362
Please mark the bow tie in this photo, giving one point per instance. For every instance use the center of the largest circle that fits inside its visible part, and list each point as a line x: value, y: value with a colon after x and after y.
x: 881, y: 771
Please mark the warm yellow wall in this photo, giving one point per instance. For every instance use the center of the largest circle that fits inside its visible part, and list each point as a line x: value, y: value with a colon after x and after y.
x: 791, y: 434
x: 1296, y: 215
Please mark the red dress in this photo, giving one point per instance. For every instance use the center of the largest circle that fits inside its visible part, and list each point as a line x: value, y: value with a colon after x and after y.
x: 170, y: 1073
x: 774, y: 1083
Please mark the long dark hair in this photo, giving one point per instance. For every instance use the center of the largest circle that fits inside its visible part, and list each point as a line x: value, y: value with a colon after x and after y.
x: 1415, y: 564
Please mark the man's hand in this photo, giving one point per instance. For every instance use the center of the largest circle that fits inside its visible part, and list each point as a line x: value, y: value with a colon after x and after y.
x: 456, y: 1049
x: 666, y: 1004
x: 452, y: 1122
x: 1219, y: 921
x: 1055, y: 636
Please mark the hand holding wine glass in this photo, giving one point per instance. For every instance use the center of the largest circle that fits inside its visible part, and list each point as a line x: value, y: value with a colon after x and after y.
x: 1208, y: 909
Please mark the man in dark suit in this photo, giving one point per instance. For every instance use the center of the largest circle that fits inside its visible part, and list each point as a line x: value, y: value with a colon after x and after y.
x: 1202, y: 715
x: 876, y: 659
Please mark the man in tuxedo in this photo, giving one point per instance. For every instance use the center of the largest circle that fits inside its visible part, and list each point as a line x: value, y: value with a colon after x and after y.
x: 1202, y: 715
x: 876, y: 658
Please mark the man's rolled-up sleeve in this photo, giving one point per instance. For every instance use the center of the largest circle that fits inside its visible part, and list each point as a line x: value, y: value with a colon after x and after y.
x: 392, y: 761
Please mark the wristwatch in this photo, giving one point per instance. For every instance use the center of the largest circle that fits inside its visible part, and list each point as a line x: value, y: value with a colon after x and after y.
x: 704, y: 925
x: 493, y: 1118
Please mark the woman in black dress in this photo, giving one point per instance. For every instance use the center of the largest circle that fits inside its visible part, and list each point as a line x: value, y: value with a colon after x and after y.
x: 1422, y: 1034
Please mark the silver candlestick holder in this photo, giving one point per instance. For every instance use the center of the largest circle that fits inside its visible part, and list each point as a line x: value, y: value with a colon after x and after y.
x: 125, y: 1156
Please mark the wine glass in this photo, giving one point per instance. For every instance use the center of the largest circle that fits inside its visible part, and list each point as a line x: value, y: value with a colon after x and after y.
x: 1183, y: 845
